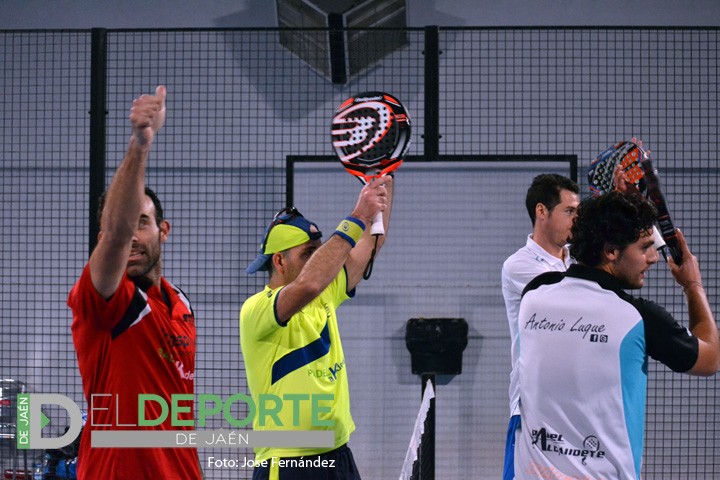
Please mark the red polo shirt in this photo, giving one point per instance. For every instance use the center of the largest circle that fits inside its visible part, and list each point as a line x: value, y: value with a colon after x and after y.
x: 134, y: 343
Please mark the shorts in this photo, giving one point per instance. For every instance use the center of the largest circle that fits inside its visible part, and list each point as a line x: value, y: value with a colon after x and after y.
x: 509, y: 466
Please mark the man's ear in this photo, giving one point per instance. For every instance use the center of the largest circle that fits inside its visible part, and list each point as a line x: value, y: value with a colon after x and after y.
x: 164, y: 230
x: 278, y: 261
x: 541, y: 211
x: 611, y: 252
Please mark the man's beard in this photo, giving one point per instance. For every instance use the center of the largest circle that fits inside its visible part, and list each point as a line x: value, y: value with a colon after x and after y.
x: 142, y: 279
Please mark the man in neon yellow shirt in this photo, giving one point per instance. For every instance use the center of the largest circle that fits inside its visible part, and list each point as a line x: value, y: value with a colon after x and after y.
x: 290, y: 339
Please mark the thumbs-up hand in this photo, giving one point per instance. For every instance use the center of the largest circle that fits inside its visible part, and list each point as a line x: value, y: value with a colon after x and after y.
x: 147, y: 115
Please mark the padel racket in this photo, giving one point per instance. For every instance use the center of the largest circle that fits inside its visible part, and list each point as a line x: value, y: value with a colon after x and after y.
x: 635, y: 163
x: 602, y: 169
x: 655, y: 195
x: 370, y: 134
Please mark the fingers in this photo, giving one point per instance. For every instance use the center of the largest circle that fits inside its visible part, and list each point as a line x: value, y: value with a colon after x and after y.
x: 620, y: 179
x: 161, y: 93
x: 380, y: 182
x: 683, y: 248
x: 148, y: 111
x: 683, y: 243
x: 373, y: 198
x: 639, y: 143
x: 378, y: 191
x: 689, y: 271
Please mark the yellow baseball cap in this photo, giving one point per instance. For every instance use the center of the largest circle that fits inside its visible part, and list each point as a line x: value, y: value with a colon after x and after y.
x: 288, y: 229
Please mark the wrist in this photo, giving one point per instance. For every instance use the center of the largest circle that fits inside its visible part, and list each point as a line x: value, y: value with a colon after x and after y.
x: 139, y: 142
x: 691, y: 284
x: 363, y: 219
x: 351, y: 230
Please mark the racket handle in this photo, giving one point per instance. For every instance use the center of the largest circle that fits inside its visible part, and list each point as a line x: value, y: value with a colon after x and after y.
x: 658, y: 241
x: 377, y: 227
x: 670, y: 236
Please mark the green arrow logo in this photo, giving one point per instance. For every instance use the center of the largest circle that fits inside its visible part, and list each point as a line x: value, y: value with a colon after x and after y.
x: 43, y: 420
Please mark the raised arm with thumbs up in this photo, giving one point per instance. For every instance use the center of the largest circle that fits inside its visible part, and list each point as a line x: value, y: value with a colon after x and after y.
x: 126, y: 207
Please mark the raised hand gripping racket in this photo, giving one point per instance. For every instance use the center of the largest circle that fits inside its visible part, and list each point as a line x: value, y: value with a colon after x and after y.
x: 370, y: 134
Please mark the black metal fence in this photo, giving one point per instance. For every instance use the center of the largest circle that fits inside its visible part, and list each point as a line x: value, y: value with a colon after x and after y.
x: 241, y: 101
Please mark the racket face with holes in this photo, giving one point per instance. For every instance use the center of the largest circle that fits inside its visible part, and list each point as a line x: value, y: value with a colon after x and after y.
x: 602, y: 169
x: 370, y: 134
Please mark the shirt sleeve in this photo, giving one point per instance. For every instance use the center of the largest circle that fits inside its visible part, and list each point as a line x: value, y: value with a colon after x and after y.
x: 512, y: 281
x: 517, y: 273
x: 337, y: 291
x: 667, y: 341
x: 88, y: 305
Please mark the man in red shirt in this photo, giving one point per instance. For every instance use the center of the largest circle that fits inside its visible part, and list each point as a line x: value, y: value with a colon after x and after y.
x: 134, y: 332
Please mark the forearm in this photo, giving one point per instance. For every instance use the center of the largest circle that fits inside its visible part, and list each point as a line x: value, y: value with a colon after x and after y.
x: 319, y: 271
x: 123, y: 203
x: 704, y: 327
x: 125, y: 195
x: 325, y: 264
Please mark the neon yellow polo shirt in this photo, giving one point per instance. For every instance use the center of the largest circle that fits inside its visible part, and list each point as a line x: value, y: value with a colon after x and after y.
x: 303, y: 359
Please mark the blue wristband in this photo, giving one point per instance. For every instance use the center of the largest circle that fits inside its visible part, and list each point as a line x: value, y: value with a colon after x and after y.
x: 351, y: 230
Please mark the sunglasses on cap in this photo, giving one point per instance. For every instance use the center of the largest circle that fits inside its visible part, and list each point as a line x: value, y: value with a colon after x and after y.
x: 285, y: 215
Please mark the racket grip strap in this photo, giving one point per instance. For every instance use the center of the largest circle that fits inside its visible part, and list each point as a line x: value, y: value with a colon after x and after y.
x: 351, y: 230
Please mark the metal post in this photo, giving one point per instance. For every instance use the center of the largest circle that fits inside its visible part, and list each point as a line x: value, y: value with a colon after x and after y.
x: 432, y: 93
x: 426, y: 453
x: 336, y: 41
x: 98, y: 113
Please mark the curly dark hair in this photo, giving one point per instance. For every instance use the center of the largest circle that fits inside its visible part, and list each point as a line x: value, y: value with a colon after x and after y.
x: 545, y: 189
x: 613, y: 219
